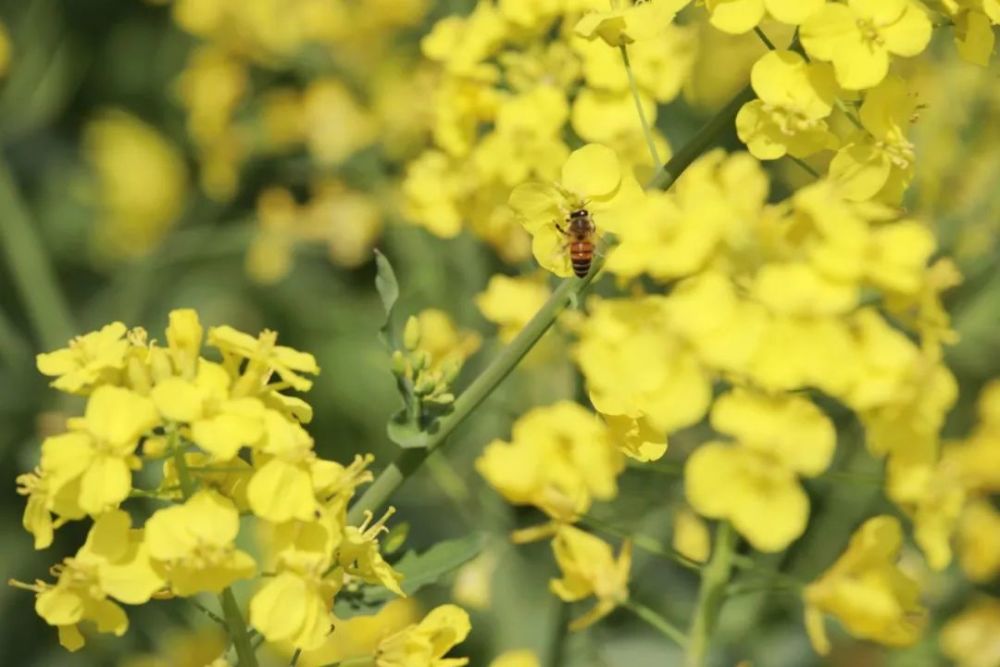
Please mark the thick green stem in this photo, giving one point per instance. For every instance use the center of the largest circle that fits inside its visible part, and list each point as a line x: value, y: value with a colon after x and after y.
x: 665, y: 627
x: 410, y: 459
x: 708, y: 134
x: 235, y: 625
x: 647, y: 130
x: 245, y: 655
x: 711, y: 595
x: 32, y: 271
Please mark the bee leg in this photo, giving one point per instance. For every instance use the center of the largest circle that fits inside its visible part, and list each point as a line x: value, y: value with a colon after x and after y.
x: 561, y: 230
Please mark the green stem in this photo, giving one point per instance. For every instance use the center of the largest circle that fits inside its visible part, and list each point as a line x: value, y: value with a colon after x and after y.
x: 805, y: 166
x: 708, y: 134
x: 32, y: 271
x: 410, y: 459
x: 655, y: 620
x: 711, y: 595
x: 644, y: 542
x: 235, y: 624
x: 647, y: 130
x: 245, y: 655
x: 763, y: 37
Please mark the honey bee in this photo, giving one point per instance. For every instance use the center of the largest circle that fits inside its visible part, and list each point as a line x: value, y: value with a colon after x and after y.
x: 579, y: 235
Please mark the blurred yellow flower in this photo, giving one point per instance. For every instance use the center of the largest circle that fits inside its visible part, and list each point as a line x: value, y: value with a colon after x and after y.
x: 972, y: 637
x: 691, y: 538
x: 755, y: 483
x: 739, y: 16
x: 634, y: 368
x: 511, y: 302
x: 589, y: 568
x: 559, y: 458
x: 630, y: 23
x: 141, y: 183
x: 427, y: 642
x: 867, y: 592
x: 518, y: 658
x: 5, y: 49
x: 336, y: 125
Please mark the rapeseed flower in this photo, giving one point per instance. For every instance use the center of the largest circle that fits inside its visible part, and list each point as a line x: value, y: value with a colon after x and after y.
x: 588, y: 569
x: 860, y: 37
x: 867, y: 591
x: 428, y: 642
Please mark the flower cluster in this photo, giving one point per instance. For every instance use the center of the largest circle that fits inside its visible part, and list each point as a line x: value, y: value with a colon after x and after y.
x: 228, y: 441
x: 513, y: 79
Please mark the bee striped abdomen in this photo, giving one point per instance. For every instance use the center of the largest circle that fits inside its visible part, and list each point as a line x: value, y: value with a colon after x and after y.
x: 581, y: 254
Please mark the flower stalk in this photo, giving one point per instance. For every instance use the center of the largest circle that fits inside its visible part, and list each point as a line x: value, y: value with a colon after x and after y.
x: 711, y: 595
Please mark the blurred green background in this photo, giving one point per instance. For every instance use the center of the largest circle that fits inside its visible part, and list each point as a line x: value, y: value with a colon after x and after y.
x: 116, y: 182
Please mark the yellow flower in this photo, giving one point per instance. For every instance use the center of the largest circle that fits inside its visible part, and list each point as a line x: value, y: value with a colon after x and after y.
x: 426, y: 643
x: 294, y: 605
x: 521, y: 658
x: 527, y: 141
x: 5, y: 50
x: 218, y: 424
x: 113, y: 563
x: 974, y: 37
x: 979, y: 541
x: 878, y: 163
x: 691, y: 538
x: 359, y: 554
x: 96, y: 458
x: 739, y: 16
x: 559, y: 459
x: 192, y: 544
x: 336, y: 124
x: 90, y: 360
x: 511, y: 302
x: 860, y: 36
x: 795, y: 98
x: 634, y: 368
x: 592, y: 178
x: 636, y: 437
x: 755, y: 483
x: 671, y: 235
x: 463, y: 43
x: 630, y: 23
x: 867, y: 592
x: 142, y: 183
x: 433, y: 188
x: 42, y: 503
x: 972, y: 637
x: 611, y: 119
x: 264, y: 357
x: 590, y: 569
x: 282, y: 487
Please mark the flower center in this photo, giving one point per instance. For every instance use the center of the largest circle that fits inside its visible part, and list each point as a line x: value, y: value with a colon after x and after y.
x: 870, y: 34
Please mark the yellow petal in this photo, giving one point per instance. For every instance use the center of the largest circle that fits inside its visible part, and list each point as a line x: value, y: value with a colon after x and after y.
x: 591, y: 171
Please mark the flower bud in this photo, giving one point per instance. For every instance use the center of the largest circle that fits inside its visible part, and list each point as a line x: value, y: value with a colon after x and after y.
x: 398, y: 364
x: 411, y: 333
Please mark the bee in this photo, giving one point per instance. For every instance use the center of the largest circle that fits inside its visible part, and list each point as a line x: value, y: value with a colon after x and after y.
x: 579, y: 235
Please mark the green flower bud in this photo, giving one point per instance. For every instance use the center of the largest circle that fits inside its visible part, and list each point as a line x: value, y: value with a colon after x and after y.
x: 411, y: 333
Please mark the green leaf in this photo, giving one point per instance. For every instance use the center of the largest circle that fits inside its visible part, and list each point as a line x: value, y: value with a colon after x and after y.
x: 418, y: 570
x: 402, y: 431
x: 388, y: 291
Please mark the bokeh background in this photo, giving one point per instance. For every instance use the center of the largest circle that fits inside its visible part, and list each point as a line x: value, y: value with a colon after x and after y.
x: 150, y: 159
